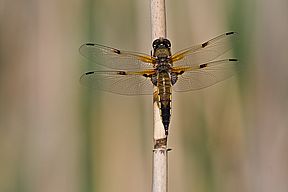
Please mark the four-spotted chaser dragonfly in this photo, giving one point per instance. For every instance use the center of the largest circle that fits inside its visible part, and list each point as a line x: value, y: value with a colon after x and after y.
x: 136, y: 73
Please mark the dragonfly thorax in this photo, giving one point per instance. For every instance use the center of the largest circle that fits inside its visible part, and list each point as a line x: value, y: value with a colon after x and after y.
x: 163, y: 67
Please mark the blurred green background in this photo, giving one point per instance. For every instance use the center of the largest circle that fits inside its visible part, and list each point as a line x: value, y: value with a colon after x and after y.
x: 56, y: 135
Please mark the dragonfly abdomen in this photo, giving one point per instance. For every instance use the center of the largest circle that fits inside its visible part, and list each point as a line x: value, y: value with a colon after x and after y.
x: 164, y: 98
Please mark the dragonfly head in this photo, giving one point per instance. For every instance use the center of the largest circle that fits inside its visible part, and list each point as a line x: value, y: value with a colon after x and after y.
x: 161, y: 48
x: 161, y: 43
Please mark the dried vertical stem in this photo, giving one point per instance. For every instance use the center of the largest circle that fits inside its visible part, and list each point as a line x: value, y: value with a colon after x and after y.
x: 158, y: 19
x: 160, y: 165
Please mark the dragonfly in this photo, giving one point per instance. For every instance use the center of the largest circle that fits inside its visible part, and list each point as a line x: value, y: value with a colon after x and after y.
x: 132, y: 73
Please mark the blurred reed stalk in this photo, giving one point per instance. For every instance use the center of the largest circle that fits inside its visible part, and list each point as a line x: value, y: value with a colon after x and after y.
x: 160, y: 159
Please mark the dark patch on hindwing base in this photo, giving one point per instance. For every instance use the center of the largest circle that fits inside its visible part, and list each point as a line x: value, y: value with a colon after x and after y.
x: 154, y: 79
x: 174, y: 78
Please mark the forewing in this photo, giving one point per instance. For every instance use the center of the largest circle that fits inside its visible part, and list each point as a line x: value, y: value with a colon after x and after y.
x: 115, y: 59
x: 120, y: 82
x: 204, y: 75
x: 204, y: 52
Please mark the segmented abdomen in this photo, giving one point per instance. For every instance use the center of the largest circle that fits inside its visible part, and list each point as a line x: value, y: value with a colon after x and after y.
x: 164, y: 98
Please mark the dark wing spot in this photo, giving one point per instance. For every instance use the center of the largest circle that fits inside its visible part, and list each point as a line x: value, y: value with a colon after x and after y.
x: 230, y: 33
x: 202, y: 66
x: 181, y: 72
x: 121, y: 73
x: 89, y: 73
x: 146, y: 75
x: 233, y: 59
x: 204, y: 44
x: 116, y: 51
x: 90, y: 44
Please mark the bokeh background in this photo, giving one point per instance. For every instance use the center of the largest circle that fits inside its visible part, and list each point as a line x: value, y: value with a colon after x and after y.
x: 56, y: 135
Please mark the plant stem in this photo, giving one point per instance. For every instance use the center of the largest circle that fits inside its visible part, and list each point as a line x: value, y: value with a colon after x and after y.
x: 160, y: 160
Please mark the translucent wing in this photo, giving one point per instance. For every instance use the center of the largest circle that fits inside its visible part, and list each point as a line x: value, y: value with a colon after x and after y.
x: 204, y: 75
x: 115, y: 59
x: 120, y: 82
x: 204, y: 52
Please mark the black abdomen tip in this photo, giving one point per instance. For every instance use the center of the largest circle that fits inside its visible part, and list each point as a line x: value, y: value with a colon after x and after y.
x: 166, y: 127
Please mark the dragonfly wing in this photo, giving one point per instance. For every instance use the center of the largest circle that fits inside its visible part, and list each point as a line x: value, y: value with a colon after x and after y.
x: 120, y: 82
x: 204, y: 75
x: 204, y: 52
x: 115, y: 59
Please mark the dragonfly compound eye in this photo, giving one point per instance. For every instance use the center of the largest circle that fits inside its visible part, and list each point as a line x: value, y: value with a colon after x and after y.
x: 161, y: 43
x: 156, y: 43
x: 167, y: 43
